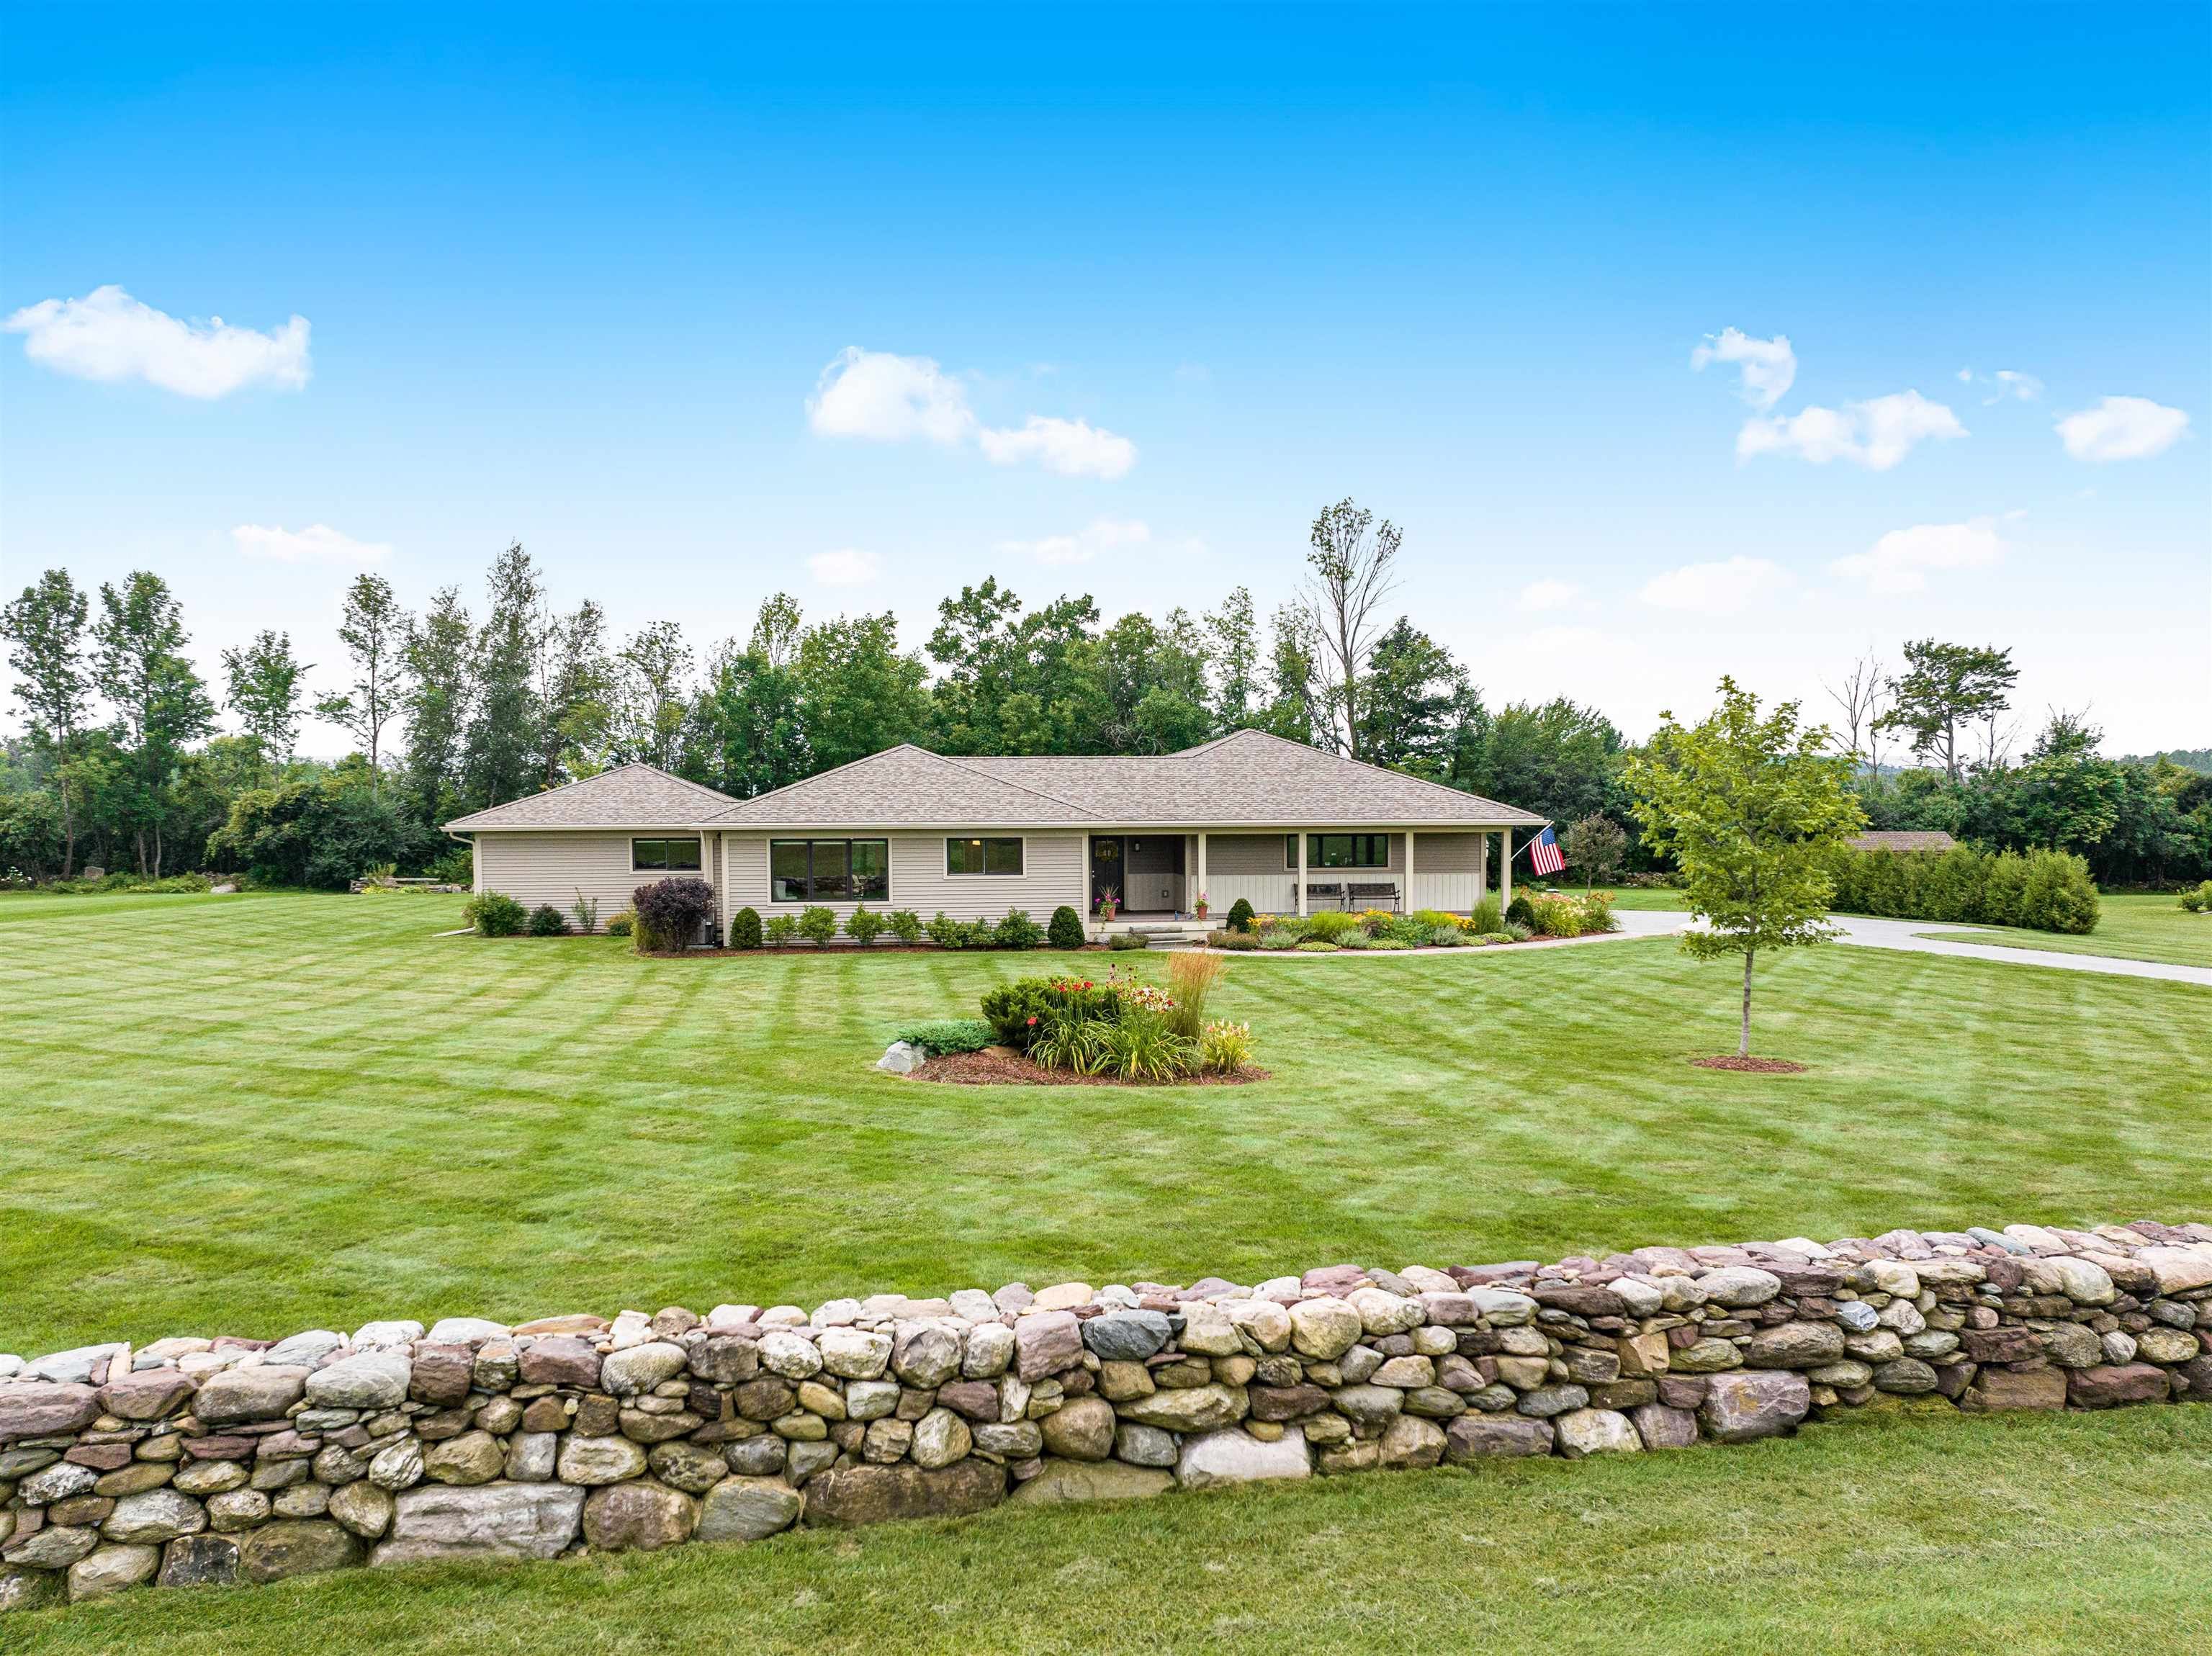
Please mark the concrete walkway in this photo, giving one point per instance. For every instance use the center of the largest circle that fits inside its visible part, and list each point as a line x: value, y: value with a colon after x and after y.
x: 1869, y: 933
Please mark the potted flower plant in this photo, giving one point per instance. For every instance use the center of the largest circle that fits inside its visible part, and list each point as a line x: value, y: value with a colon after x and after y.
x: 1199, y: 906
x: 1109, y: 901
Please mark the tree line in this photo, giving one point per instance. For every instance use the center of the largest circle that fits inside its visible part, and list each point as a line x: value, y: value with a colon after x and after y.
x: 127, y: 760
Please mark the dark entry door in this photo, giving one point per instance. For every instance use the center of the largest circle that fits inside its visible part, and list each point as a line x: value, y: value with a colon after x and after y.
x: 1107, y: 874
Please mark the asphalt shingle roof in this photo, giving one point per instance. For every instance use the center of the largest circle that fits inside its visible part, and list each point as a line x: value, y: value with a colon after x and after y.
x: 1247, y: 777
x: 629, y: 796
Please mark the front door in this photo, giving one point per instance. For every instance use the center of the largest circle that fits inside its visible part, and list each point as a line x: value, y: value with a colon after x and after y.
x: 1106, y: 871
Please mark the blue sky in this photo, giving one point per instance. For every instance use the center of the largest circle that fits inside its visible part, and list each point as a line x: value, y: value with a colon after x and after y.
x: 574, y: 276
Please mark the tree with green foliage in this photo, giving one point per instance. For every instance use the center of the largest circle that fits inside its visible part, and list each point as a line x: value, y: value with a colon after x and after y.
x: 262, y: 684
x: 373, y: 630
x: 160, y: 701
x: 1945, y: 689
x: 438, y: 696
x: 1595, y: 844
x: 652, y: 697
x: 501, y: 749
x: 45, y: 628
x: 1296, y: 708
x: 1559, y: 758
x: 1752, y: 810
x: 1233, y: 645
x: 2069, y: 799
x: 1414, y: 698
x: 575, y: 689
x: 745, y: 733
x: 858, y: 692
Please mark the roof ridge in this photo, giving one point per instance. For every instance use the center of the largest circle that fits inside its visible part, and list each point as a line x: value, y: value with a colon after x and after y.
x: 1008, y: 781
x: 1364, y: 764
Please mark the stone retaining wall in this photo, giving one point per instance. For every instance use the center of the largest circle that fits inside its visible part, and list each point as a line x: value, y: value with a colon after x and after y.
x: 206, y: 1460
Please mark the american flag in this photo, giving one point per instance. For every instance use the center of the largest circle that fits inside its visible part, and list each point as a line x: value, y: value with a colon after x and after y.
x: 1544, y: 856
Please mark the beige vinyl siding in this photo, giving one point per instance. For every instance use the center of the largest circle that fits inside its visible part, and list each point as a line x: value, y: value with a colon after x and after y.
x: 1448, y: 872
x: 553, y: 867
x: 1052, y: 874
x: 1250, y: 866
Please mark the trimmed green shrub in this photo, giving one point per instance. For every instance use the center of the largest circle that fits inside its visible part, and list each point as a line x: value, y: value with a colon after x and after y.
x: 2046, y: 891
x: 1240, y: 915
x: 1017, y: 931
x: 745, y: 929
x: 494, y: 914
x: 817, y: 924
x: 1521, y: 911
x: 1122, y: 942
x: 1017, y: 1011
x: 781, y: 928
x: 545, y: 921
x: 1316, y: 946
x: 906, y: 925
x: 2198, y: 901
x: 937, y: 1036
x: 1065, y: 930
x: 670, y: 912
x: 1237, y: 941
x: 945, y: 932
x: 1277, y: 940
x: 863, y: 925
x: 1331, y: 924
x: 622, y: 924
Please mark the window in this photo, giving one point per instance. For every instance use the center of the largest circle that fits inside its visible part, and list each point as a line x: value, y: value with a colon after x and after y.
x: 829, y: 871
x: 1339, y: 851
x: 679, y: 855
x: 983, y: 856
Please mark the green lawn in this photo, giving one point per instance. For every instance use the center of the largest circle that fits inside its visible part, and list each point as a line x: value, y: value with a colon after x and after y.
x: 2131, y: 927
x: 268, y: 1113
x: 1890, y: 1538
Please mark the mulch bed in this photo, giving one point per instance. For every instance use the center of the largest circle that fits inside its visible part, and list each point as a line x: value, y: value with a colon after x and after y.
x: 1761, y: 1067
x: 989, y: 1070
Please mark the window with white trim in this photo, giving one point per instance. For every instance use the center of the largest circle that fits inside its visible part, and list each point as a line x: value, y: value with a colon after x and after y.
x: 1001, y: 855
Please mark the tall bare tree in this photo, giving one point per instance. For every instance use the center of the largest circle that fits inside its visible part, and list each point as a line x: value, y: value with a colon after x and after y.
x: 1860, y: 698
x: 1343, y: 597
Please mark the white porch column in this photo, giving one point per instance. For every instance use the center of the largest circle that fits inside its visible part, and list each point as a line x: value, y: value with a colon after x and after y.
x: 1505, y: 871
x: 1201, y: 867
x: 1405, y: 898
x: 1481, y: 865
x: 1302, y: 874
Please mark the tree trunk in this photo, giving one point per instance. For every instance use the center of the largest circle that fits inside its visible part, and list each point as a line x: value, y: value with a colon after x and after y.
x: 69, y: 834
x: 1743, y: 1042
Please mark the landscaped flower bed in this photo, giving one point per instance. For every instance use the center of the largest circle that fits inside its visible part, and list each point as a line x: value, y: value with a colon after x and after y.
x: 1068, y: 1028
x: 1545, y: 915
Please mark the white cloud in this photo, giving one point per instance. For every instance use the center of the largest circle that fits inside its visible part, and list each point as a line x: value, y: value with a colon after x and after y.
x: 1724, y: 588
x: 316, y: 543
x: 1899, y: 561
x: 1081, y: 547
x: 888, y: 398
x: 2005, y: 383
x: 1765, y: 368
x: 846, y: 567
x: 1876, y: 433
x: 109, y: 336
x: 2122, y: 428
x: 1548, y: 595
x: 1074, y: 447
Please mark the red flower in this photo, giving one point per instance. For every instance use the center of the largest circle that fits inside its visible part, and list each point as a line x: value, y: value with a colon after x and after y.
x: 1032, y: 1017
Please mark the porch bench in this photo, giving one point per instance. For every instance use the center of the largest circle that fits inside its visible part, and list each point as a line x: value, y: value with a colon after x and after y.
x: 1378, y: 895
x: 1332, y: 894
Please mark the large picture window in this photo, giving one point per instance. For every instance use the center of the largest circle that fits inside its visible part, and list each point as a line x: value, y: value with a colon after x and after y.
x: 1339, y: 851
x: 983, y: 856
x: 680, y: 856
x: 829, y: 871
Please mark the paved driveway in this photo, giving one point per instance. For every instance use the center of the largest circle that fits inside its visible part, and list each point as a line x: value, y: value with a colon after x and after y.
x: 1869, y: 933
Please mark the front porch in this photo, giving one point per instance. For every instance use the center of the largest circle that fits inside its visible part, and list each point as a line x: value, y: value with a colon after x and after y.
x: 1154, y: 875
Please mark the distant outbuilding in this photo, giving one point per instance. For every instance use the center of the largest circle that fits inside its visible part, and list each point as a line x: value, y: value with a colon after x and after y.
x: 1903, y: 840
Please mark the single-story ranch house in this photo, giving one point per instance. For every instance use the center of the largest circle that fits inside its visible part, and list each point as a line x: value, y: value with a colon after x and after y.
x: 1284, y: 826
